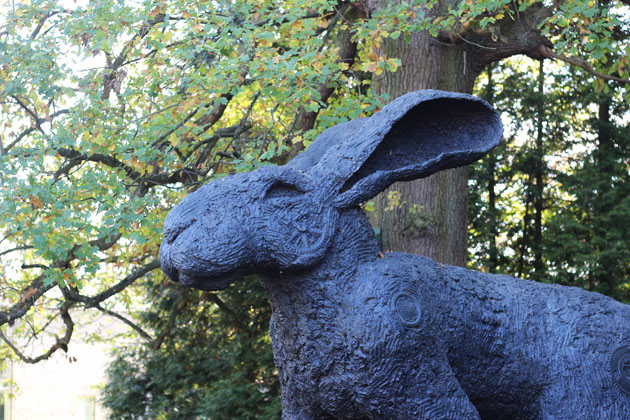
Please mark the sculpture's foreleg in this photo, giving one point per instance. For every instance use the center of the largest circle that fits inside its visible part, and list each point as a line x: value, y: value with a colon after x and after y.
x: 426, y: 392
x: 294, y: 413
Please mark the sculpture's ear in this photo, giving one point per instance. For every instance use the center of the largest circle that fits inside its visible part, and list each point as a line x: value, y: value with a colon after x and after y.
x: 413, y: 137
x: 325, y: 142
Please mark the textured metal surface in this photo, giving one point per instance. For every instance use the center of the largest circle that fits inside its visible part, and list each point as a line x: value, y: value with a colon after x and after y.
x: 620, y: 367
x: 361, y: 336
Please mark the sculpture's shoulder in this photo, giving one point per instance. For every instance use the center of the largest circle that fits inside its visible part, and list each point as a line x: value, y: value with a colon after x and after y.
x: 396, y: 271
x: 401, y: 287
x: 395, y: 268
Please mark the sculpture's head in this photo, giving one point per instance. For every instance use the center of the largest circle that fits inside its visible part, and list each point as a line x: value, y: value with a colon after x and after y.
x: 284, y: 217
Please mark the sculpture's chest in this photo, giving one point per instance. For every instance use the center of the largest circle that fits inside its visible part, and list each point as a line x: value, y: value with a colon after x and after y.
x: 312, y: 355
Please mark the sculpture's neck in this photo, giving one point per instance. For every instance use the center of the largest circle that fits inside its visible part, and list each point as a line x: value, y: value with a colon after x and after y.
x: 353, y: 245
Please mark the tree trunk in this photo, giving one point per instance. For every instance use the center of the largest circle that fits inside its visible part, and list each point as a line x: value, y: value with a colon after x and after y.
x: 431, y: 219
x: 539, y: 175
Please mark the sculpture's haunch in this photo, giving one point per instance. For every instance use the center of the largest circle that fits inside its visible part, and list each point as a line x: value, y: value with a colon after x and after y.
x: 357, y: 336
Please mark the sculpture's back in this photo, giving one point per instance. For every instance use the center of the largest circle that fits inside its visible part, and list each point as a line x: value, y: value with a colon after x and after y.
x: 519, y: 349
x: 360, y: 336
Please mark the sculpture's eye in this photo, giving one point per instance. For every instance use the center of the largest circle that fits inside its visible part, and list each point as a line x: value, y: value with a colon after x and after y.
x: 283, y: 190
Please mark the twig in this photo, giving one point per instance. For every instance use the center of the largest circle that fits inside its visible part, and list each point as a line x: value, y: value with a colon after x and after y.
x: 27, y: 266
x: 474, y: 43
x: 116, y: 315
x: 30, y: 112
x: 61, y: 343
x: 212, y: 297
x: 93, y: 301
x: 17, y: 248
x: 41, y: 23
x: 179, y: 125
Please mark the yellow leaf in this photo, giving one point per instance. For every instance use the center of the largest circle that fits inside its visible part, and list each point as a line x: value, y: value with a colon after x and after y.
x: 136, y: 163
x: 372, y: 66
x: 156, y: 11
x: 36, y: 201
x: 297, y: 25
x: 100, y: 139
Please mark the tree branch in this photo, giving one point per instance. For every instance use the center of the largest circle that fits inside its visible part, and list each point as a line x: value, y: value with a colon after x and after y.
x: 110, y: 77
x: 133, y: 325
x: 27, y: 266
x: 305, y: 120
x: 17, y: 248
x: 76, y: 158
x: 212, y: 297
x: 576, y: 61
x: 179, y: 125
x: 41, y: 23
x: 30, y: 295
x: 61, y: 343
x: 508, y: 37
x: 93, y: 301
x: 30, y: 112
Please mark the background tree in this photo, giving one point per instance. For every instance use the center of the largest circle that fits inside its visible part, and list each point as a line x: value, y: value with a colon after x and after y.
x: 112, y: 111
x: 576, y: 235
x: 429, y: 217
x: 215, y: 358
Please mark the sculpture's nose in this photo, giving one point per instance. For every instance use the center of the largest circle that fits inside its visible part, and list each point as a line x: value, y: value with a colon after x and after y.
x: 166, y: 262
x: 180, y: 218
x: 185, y: 214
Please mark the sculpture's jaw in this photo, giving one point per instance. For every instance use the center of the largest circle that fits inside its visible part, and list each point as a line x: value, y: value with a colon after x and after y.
x: 197, y: 275
x: 208, y: 283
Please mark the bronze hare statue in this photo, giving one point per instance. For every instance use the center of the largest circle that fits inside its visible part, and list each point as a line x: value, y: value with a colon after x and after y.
x: 359, y: 336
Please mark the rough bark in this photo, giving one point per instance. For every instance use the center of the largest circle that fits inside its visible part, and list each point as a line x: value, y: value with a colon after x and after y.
x: 436, y: 226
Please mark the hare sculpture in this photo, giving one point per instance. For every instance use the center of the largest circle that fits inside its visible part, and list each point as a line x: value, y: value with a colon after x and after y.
x: 361, y: 335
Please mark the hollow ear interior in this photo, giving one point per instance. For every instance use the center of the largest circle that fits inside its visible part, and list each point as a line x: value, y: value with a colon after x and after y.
x: 413, y: 137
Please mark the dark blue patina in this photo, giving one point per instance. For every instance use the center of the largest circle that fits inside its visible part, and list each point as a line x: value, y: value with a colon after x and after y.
x: 360, y: 336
